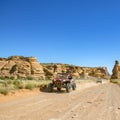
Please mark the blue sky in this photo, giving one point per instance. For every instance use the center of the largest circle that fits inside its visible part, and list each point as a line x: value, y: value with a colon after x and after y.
x: 78, y: 32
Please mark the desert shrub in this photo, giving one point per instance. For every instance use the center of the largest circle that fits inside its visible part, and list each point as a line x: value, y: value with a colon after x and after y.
x: 29, y: 78
x: 6, y: 77
x: 2, y: 78
x: 18, y: 84
x: 4, y: 83
x: 4, y: 91
x: 9, y: 82
x: 29, y: 86
x: 115, y: 81
x: 19, y: 78
x: 12, y: 78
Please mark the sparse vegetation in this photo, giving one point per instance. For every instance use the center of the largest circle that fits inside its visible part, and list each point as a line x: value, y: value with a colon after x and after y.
x: 4, y: 91
x: 116, y: 81
x: 29, y: 78
x: 8, y: 85
x: 29, y: 86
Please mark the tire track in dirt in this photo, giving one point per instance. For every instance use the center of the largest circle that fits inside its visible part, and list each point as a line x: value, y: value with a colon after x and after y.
x: 83, y: 102
x: 101, y: 107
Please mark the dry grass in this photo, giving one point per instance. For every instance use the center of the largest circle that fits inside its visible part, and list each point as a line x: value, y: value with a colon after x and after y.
x: 116, y: 81
x: 8, y: 85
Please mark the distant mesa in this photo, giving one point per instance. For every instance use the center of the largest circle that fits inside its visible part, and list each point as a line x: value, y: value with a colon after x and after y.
x: 29, y: 68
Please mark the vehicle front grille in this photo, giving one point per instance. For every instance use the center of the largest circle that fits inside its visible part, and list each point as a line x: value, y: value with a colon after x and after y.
x: 58, y: 84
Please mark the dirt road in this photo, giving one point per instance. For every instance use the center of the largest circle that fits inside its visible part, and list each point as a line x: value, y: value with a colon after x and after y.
x: 88, y: 102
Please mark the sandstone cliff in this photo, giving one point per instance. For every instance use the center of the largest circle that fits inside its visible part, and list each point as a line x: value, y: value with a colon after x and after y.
x: 28, y: 67
x: 77, y: 71
x: 21, y: 67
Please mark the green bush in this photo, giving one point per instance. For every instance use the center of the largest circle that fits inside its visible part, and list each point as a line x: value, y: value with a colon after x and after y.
x: 116, y: 81
x: 29, y: 78
x: 2, y: 78
x: 4, y: 83
x: 21, y: 86
x: 4, y: 91
x: 18, y: 84
x: 29, y: 86
x: 8, y: 85
x: 9, y: 81
x: 12, y: 78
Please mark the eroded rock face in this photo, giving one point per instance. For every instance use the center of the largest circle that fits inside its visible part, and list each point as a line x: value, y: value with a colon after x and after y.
x: 29, y: 67
x: 21, y: 67
x: 78, y: 72
x: 116, y: 71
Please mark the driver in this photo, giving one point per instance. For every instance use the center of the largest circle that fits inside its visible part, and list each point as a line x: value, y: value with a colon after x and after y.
x: 70, y: 76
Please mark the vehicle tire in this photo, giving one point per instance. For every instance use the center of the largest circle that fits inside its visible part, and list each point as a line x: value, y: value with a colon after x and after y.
x: 50, y: 87
x: 68, y: 87
x: 73, y: 86
x: 59, y: 89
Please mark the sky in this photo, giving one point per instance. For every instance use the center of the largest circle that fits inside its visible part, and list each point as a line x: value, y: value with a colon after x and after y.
x: 85, y: 33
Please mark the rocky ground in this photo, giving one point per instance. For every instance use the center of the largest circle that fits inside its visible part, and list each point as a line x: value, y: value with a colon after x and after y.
x: 90, y: 101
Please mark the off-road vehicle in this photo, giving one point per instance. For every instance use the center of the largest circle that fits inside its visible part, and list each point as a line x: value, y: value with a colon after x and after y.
x: 99, y: 80
x: 62, y: 81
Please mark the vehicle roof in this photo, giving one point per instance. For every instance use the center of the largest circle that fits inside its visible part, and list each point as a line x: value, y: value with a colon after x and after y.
x: 63, y: 73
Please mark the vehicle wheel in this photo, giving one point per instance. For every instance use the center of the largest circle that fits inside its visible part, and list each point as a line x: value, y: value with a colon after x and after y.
x: 73, y: 86
x: 50, y: 87
x: 68, y: 87
x: 59, y: 89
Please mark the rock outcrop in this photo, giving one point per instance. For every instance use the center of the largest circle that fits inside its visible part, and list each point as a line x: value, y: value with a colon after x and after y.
x: 21, y: 67
x: 28, y: 67
x: 77, y: 71
x: 116, y: 71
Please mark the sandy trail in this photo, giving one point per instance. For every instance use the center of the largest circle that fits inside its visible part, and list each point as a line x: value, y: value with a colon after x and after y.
x: 90, y: 101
